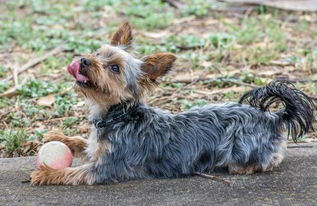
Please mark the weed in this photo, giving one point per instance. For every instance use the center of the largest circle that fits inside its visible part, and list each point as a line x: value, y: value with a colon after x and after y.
x: 13, y: 139
x: 53, y: 63
x: 70, y: 121
x: 18, y: 120
x: 68, y: 131
x: 147, y: 49
x: 185, y: 104
x: 37, y: 88
x: 95, y: 5
x: 187, y: 41
x: 154, y: 21
x: 29, y: 109
x: 198, y: 8
x: 83, y: 45
x: 64, y: 105
x: 229, y: 95
x: 38, y: 134
x: 4, y: 86
x: 5, y: 102
x: 146, y: 14
x: 221, y: 40
x: 3, y: 71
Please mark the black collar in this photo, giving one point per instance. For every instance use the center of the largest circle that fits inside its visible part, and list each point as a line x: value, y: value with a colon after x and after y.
x: 116, y: 113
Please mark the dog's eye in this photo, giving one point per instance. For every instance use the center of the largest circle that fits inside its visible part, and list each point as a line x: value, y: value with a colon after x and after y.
x: 115, y: 68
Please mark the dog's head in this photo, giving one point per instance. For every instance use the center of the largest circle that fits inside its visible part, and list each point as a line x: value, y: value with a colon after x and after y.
x: 111, y: 74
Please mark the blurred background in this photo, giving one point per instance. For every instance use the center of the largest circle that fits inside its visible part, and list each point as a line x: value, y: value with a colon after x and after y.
x: 224, y: 49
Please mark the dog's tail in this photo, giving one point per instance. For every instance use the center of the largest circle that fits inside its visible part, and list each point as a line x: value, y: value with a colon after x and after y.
x: 297, y: 116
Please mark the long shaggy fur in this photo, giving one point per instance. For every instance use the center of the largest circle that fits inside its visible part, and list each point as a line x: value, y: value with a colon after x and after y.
x: 297, y: 116
x: 153, y: 143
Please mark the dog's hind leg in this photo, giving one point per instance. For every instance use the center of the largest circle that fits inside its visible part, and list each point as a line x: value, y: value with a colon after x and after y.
x: 76, y: 144
x: 278, y: 156
x: 274, y: 159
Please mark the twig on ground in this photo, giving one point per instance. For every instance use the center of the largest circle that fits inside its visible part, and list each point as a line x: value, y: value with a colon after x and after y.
x: 62, y: 118
x: 176, y: 92
x: 13, y: 90
x: 294, y: 81
x: 204, y: 175
x: 215, y: 79
x: 299, y: 146
x: 182, y: 47
x: 174, y: 3
x: 10, y: 92
x: 313, y: 98
x: 26, y: 181
x: 36, y: 61
x: 192, y: 81
x: 202, y: 73
x: 15, y: 75
x: 280, y: 63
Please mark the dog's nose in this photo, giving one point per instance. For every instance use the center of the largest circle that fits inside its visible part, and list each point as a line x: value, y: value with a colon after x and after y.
x: 85, y: 62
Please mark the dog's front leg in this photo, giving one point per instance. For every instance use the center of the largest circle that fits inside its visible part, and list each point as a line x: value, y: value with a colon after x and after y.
x: 45, y: 175
x: 76, y: 144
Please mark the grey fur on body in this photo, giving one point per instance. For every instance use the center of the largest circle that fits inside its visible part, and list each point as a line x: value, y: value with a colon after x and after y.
x: 150, y: 142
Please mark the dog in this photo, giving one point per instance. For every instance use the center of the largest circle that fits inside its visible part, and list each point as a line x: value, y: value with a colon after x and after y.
x: 131, y: 140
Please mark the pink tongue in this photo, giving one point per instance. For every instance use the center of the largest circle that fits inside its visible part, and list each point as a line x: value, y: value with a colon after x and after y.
x: 73, y: 69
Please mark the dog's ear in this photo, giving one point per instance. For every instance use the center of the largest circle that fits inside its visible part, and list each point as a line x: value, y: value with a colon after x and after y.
x: 157, y: 65
x: 123, y: 36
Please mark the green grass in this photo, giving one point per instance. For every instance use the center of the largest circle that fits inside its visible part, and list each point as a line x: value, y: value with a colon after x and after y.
x: 266, y: 35
x: 185, y: 104
x: 198, y: 8
x: 37, y: 88
x: 70, y: 121
x: 13, y: 139
x: 64, y: 104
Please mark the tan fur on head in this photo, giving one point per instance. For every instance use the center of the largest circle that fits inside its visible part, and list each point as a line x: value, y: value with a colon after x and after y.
x: 123, y: 36
x: 108, y: 88
x: 134, y: 78
x: 157, y: 65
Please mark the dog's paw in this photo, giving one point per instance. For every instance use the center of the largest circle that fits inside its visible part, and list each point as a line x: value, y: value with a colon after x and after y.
x: 45, y: 175
x: 40, y: 175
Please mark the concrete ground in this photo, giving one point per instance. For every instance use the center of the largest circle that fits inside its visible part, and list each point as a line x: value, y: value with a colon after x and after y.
x: 293, y: 183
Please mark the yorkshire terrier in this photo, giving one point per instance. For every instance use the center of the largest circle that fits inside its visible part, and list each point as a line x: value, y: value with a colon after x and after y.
x: 131, y: 140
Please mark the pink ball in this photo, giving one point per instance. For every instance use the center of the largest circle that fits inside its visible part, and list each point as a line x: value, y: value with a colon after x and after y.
x: 55, y: 155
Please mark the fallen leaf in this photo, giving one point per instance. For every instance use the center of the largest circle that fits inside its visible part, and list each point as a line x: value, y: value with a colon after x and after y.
x: 222, y: 91
x: 155, y: 35
x: 80, y: 104
x: 46, y: 101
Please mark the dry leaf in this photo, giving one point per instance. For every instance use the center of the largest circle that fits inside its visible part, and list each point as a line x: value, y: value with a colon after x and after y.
x: 46, y: 101
x: 80, y: 104
x: 222, y: 91
x: 155, y: 35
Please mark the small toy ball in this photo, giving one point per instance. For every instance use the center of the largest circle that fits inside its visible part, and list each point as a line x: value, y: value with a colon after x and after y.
x: 55, y: 155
